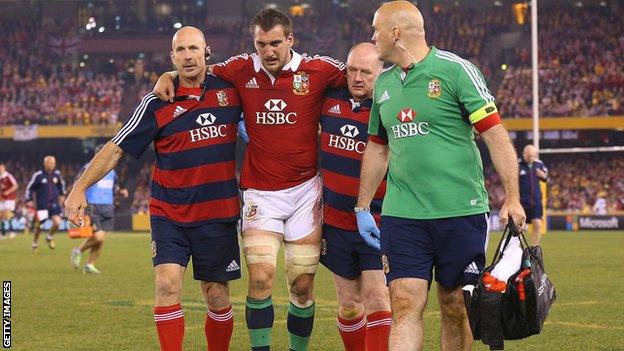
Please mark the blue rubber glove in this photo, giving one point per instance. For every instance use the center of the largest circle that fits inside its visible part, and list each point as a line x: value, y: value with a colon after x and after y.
x: 242, y: 131
x: 368, y: 229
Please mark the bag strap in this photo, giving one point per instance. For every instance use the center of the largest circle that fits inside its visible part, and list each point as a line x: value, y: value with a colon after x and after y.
x: 505, y: 239
x: 519, y: 233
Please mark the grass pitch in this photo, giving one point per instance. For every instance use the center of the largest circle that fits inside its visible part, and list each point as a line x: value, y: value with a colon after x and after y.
x: 58, y: 308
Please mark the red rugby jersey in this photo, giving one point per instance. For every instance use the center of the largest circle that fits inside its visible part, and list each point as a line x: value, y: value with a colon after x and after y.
x: 6, y: 182
x: 281, y: 116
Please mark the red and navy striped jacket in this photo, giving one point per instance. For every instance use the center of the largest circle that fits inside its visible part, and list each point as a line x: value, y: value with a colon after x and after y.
x: 194, y: 177
x: 344, y: 130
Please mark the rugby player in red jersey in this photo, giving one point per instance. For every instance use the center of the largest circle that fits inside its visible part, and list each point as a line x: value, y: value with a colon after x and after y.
x: 282, y: 93
x: 8, y: 196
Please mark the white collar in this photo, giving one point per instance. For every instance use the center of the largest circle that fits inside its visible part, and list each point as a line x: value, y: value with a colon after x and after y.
x: 292, y: 65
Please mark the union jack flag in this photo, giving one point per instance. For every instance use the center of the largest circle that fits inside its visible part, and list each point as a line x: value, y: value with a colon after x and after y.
x: 64, y: 45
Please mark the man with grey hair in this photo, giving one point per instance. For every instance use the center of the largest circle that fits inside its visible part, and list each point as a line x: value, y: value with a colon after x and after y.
x: 363, y: 302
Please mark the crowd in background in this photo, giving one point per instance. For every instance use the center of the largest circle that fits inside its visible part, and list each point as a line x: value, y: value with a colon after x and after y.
x: 575, y: 182
x: 581, y: 66
x: 581, y: 60
x: 37, y: 87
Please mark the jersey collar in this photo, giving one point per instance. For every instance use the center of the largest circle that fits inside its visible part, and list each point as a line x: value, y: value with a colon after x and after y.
x: 416, y: 66
x: 357, y: 105
x: 182, y: 93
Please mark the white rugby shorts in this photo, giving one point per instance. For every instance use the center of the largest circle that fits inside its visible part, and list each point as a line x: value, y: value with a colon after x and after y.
x: 294, y: 212
x: 7, y: 205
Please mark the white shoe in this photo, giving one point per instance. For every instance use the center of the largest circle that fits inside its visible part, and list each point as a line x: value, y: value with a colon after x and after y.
x: 90, y: 269
x: 75, y: 258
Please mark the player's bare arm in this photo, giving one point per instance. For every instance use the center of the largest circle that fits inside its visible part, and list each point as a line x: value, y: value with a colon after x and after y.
x: 102, y: 163
x: 505, y: 162
x: 374, y: 167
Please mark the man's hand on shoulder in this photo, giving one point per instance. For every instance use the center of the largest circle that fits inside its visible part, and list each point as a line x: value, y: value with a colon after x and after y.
x: 164, y: 88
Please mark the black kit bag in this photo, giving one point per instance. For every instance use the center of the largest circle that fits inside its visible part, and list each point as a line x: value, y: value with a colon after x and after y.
x: 521, y: 310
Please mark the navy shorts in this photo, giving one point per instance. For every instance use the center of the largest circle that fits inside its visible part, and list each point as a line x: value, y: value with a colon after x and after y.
x: 54, y: 210
x: 533, y: 212
x: 346, y: 254
x: 102, y: 217
x: 213, y: 247
x: 455, y: 247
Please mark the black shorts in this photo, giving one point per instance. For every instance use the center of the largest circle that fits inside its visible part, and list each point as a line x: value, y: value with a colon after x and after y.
x: 213, y: 247
x: 533, y: 212
x: 346, y: 254
x: 455, y: 247
x: 102, y: 217
x: 54, y: 210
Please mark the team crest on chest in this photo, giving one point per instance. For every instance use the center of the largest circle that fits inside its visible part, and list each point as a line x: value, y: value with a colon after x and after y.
x: 222, y: 98
x: 435, y: 89
x: 301, y: 83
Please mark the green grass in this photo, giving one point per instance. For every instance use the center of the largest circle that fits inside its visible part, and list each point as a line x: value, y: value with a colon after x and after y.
x: 58, y: 308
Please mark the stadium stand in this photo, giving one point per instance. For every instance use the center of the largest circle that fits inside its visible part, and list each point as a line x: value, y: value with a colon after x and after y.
x: 581, y: 60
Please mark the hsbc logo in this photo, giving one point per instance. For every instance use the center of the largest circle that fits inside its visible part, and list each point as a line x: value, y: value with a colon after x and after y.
x: 406, y: 115
x: 349, y: 131
x: 347, y: 142
x: 408, y: 127
x: 275, y: 105
x: 206, y: 119
x: 276, y: 114
x: 207, y: 130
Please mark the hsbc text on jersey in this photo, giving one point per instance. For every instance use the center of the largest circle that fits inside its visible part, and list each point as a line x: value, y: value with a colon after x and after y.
x: 410, y: 129
x: 209, y: 132
x: 348, y: 144
x: 276, y: 114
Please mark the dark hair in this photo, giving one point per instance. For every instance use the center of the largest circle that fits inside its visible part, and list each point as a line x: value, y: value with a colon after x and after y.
x: 267, y: 19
